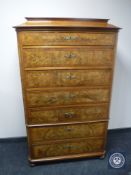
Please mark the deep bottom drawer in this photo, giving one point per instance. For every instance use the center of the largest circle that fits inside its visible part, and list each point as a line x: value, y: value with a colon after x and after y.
x: 69, y: 148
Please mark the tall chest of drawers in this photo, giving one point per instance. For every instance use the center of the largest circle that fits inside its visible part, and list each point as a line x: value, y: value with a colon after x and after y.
x: 66, y: 70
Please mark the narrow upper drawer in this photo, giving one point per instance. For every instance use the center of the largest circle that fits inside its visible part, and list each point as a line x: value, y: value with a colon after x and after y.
x: 67, y: 56
x: 67, y: 38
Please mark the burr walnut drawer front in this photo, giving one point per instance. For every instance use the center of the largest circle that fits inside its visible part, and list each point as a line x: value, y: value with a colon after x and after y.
x: 67, y: 97
x: 67, y: 38
x: 77, y: 56
x: 67, y: 114
x: 42, y: 134
x: 80, y: 146
x: 63, y: 78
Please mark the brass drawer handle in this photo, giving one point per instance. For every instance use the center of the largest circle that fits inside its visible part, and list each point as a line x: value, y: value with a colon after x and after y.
x: 91, y: 39
x: 70, y: 146
x: 70, y: 77
x: 68, y: 129
x: 52, y: 100
x: 70, y: 55
x: 71, y: 38
x: 70, y: 96
x: 69, y: 114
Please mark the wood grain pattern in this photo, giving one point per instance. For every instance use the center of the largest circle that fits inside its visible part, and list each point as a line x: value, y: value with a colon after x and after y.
x: 77, y: 56
x: 43, y: 134
x: 69, y: 148
x: 69, y: 97
x: 67, y: 114
x: 64, y: 38
x: 66, y: 71
x: 63, y: 78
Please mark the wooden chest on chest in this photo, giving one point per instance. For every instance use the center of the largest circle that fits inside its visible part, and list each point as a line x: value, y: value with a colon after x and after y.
x: 66, y: 72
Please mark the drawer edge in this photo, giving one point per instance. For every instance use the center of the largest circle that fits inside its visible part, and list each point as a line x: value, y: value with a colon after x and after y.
x: 66, y: 123
x: 75, y: 156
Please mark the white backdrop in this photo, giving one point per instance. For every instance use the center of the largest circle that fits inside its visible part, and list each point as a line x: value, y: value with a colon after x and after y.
x: 13, y: 13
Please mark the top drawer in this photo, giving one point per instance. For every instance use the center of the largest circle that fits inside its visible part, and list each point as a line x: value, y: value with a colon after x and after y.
x: 67, y: 38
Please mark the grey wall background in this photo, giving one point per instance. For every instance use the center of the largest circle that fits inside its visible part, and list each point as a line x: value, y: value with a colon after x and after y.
x: 13, y: 13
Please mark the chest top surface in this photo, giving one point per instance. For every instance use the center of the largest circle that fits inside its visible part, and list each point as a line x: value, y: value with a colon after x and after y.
x: 39, y: 23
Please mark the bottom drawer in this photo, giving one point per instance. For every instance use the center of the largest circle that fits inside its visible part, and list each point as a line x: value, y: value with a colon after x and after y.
x: 69, y: 148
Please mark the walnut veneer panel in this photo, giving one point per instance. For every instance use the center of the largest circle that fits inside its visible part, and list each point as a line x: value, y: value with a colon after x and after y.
x: 59, y: 78
x: 66, y: 71
x: 42, y: 134
x: 68, y: 97
x: 67, y: 114
x: 68, y: 148
x: 64, y: 38
x: 76, y: 56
